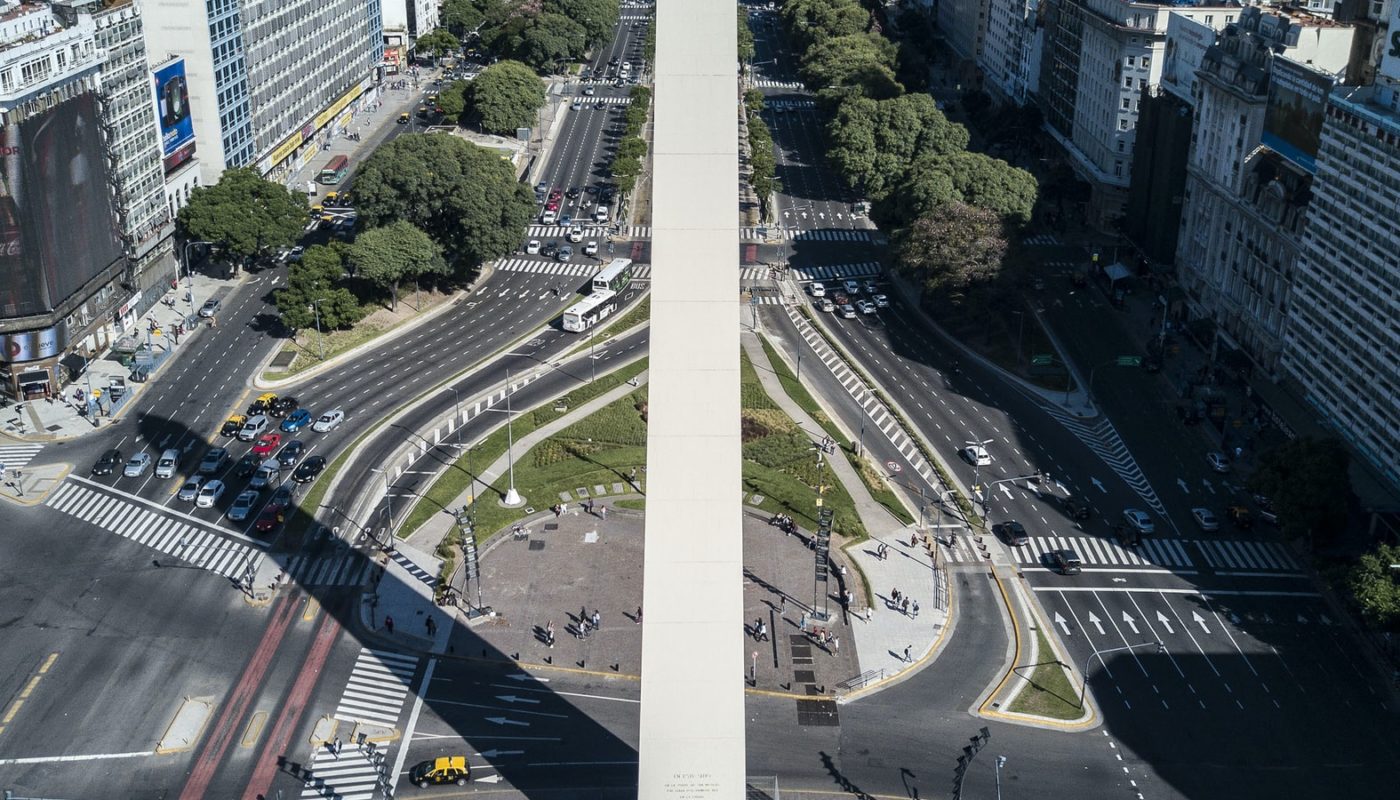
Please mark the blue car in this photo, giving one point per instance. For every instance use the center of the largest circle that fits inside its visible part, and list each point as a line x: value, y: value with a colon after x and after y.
x: 296, y: 420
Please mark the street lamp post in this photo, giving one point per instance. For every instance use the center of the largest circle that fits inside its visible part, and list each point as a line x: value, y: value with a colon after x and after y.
x: 512, y: 496
x: 457, y: 403
x: 1001, y: 761
x: 189, y: 272
x: 320, y: 340
x: 388, y: 500
x: 1099, y: 654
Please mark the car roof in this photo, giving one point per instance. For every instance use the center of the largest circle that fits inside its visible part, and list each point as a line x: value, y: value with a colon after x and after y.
x: 454, y: 762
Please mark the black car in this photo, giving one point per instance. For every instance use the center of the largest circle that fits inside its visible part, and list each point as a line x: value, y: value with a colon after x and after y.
x: 1074, y: 509
x: 1011, y: 532
x: 573, y: 192
x: 247, y: 465
x: 550, y: 248
x: 108, y: 463
x: 309, y: 469
x: 1127, y: 536
x: 284, y: 406
x: 291, y: 452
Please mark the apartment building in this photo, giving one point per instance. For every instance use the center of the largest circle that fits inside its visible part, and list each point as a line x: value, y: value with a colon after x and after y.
x: 1010, y: 56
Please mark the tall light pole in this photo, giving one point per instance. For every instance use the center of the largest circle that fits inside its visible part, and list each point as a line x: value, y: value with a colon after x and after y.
x: 1099, y: 654
x: 320, y: 340
x: 457, y: 403
x: 1001, y: 760
x: 388, y: 499
x: 189, y: 272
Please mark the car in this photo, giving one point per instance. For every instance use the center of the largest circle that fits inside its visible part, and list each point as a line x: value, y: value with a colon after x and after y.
x: 590, y: 249
x: 268, y: 520
x: 291, y: 453
x: 1205, y: 519
x: 209, y: 494
x: 445, y: 769
x: 1218, y: 462
x: 555, y: 195
x: 532, y: 247
x: 613, y: 62
x: 825, y: 304
x: 852, y: 288
x: 871, y: 288
x: 168, y: 463
x: 262, y: 404
x: 1073, y: 508
x: 1240, y: 517
x: 107, y: 464
x: 309, y: 469
x: 284, y: 406
x: 255, y: 426
x: 589, y: 91
x: 549, y: 216
x: 243, y: 505
x: 1138, y: 520
x: 865, y: 306
x: 566, y: 253
x: 1011, y: 532
x: 576, y: 106
x: 328, y: 421
x: 190, y: 491
x: 213, y: 461
x: 550, y: 248
x: 848, y: 311
x: 840, y: 298
x: 573, y: 192
x: 246, y: 466
x: 976, y: 455
x: 137, y: 466
x: 552, y: 205
x: 1066, y: 562
x: 1266, y: 508
x: 210, y: 307
x: 281, y: 499
x: 295, y: 421
x: 881, y: 301
x: 266, y: 444
x: 576, y: 234
x: 541, y: 188
x: 233, y: 425
x: 816, y: 289
x: 296, y: 253
x: 1127, y: 537
x: 566, y: 220
x: 619, y: 83
x: 403, y: 118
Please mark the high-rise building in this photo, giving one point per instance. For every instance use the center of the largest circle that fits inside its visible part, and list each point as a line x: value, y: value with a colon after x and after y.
x: 269, y: 81
x: 64, y: 271
x: 1342, y: 341
x: 963, y: 24
x: 404, y: 22
x: 1010, y: 58
x: 1100, y: 56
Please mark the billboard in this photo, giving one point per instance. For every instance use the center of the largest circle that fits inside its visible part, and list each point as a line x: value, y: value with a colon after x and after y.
x: 1390, y: 52
x: 173, y: 114
x: 1293, y: 117
x: 57, y: 226
x: 1187, y: 41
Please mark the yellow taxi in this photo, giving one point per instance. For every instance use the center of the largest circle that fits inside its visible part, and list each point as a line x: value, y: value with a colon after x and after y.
x: 233, y: 425
x: 444, y: 769
x: 263, y: 403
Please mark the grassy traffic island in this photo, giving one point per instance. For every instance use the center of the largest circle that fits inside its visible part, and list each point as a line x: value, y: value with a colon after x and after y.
x: 1047, y: 691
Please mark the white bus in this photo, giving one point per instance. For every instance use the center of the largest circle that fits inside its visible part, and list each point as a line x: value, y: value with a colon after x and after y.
x: 590, y: 311
x: 615, y: 276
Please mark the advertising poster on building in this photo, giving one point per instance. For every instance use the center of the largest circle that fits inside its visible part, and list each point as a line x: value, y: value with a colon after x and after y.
x: 1390, y: 52
x: 1293, y: 118
x: 173, y: 113
x: 1187, y: 41
x: 57, y: 226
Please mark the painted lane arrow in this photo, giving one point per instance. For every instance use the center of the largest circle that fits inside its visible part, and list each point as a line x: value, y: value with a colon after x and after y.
x: 1098, y: 485
x: 497, y: 753
x: 510, y: 698
x: 507, y: 721
x: 1324, y: 619
x: 1182, y: 484
x: 488, y: 779
x: 1166, y: 623
x: 1129, y: 621
x: 1302, y: 620
x: 1062, y: 622
x: 1209, y: 488
x: 1096, y: 622
x: 1199, y: 620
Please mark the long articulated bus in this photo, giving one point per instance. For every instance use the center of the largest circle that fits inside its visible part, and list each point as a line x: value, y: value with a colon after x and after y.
x: 590, y: 311
x: 615, y: 276
x: 335, y: 170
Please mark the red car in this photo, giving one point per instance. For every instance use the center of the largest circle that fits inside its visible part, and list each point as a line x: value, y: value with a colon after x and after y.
x: 268, y: 520
x: 267, y: 444
x: 553, y: 206
x: 555, y: 195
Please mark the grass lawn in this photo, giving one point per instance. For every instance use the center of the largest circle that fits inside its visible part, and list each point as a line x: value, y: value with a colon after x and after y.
x: 1048, y: 692
x: 308, y: 343
x: 869, y: 476
x: 456, y: 478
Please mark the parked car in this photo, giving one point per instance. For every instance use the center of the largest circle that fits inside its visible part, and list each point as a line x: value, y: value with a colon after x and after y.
x: 1205, y: 519
x: 137, y: 466
x: 328, y: 421
x: 295, y: 421
x: 190, y: 491
x: 107, y: 464
x: 1139, y: 520
x: 243, y: 505
x: 1011, y: 532
x: 309, y: 469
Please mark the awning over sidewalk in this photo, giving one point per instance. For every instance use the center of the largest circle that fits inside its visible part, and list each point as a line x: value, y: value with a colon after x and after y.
x: 1117, y: 272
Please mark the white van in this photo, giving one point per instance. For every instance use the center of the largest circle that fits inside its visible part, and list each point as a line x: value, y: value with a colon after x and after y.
x: 267, y: 474
x: 168, y: 463
x: 254, y: 427
x: 600, y: 214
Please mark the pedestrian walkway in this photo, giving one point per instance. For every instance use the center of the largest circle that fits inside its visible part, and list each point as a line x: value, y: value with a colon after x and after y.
x: 767, y: 84
x: 1042, y: 240
x: 804, y: 102
x: 423, y: 576
x: 336, y: 570
x: 1159, y: 553
x: 17, y: 456
x: 590, y: 231
x: 824, y: 272
x: 599, y: 100
x: 563, y: 268
x: 166, y: 531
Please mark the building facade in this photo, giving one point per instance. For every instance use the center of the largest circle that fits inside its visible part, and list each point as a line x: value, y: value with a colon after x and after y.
x: 269, y: 79
x: 1010, y: 57
x: 963, y: 24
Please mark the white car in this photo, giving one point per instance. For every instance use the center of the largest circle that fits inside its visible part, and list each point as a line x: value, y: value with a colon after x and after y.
x: 533, y: 247
x: 190, y: 490
x: 852, y: 288
x: 588, y: 90
x: 242, y: 505
x: 865, y: 306
x: 1218, y: 462
x: 328, y: 421
x: 576, y: 234
x: 825, y: 304
x: 816, y: 289
x: 137, y: 466
x: 590, y: 249
x: 848, y: 311
x: 209, y: 494
x: 1205, y: 518
x: 1138, y: 520
x: 881, y: 301
x: 977, y: 455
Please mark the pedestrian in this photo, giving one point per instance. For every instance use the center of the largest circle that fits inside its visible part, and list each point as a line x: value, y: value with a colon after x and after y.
x: 782, y: 604
x: 557, y: 509
x: 583, y: 629
x: 603, y: 511
x: 335, y: 748
x: 850, y: 598
x: 389, y: 624
x: 638, y: 619
x: 835, y: 645
x: 916, y: 609
x: 894, y: 595
x: 597, y: 620
x: 908, y: 658
x: 549, y: 633
x: 904, y: 605
x: 588, y: 505
x: 843, y: 570
x: 634, y: 475
x: 582, y: 613
x: 914, y: 539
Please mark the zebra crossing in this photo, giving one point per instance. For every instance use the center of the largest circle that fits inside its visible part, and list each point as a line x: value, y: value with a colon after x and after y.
x: 565, y: 268
x: 1042, y: 239
x: 762, y: 84
x: 1160, y: 553
x: 826, y: 272
x: 342, y: 570
x: 600, y: 100
x: 1224, y: 554
x: 801, y: 102
x: 589, y: 231
x: 15, y: 456
x: 419, y: 574
x: 1169, y: 554
x: 1102, y: 438
x: 164, y: 531
x: 375, y: 694
x: 794, y: 235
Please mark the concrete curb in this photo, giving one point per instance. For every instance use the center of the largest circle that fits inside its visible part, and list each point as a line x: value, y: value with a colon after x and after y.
x: 39, y: 498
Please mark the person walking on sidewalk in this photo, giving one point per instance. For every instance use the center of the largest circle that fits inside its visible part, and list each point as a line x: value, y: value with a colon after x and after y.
x: 603, y: 512
x: 835, y: 645
x: 908, y: 658
x: 549, y: 634
x: 597, y: 620
x: 638, y: 619
x: 915, y: 609
x: 389, y: 624
x: 904, y: 605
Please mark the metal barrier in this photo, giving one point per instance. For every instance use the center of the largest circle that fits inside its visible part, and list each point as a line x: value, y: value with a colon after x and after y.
x: 861, y: 680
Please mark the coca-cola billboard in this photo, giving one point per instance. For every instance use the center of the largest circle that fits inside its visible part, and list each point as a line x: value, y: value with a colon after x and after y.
x: 57, y: 226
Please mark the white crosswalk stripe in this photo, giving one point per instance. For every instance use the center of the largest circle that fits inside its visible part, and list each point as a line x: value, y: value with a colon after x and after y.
x: 560, y: 231
x: 1043, y: 239
x: 185, y: 538
x: 375, y: 694
x: 805, y: 102
x: 764, y: 84
x: 1163, y: 553
x: 599, y: 100
x: 427, y: 578
x: 343, y: 570
x: 792, y: 235
x: 15, y: 456
x: 1246, y: 555
x: 569, y: 268
x: 825, y: 272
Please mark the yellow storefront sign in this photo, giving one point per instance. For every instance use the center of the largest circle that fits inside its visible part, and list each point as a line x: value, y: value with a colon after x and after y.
x: 284, y: 150
x: 335, y: 108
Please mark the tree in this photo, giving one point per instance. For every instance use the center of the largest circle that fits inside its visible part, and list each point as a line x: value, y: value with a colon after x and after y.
x: 505, y: 96
x: 438, y: 42
x: 597, y: 17
x: 394, y: 253
x: 1306, y: 478
x: 953, y: 251
x: 318, y: 276
x: 873, y: 143
x: 632, y: 147
x: 453, y: 100
x: 847, y: 60
x: 1375, y: 586
x: 541, y: 40
x: 746, y: 45
x: 973, y: 178
x: 811, y: 21
x: 244, y: 214
x: 461, y: 17
x: 465, y: 197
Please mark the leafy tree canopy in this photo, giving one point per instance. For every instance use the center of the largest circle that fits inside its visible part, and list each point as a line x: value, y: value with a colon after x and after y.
x: 598, y: 17
x: 874, y: 143
x: 505, y: 96
x: 244, y: 214
x: 394, y: 253
x: 846, y: 60
x: 1376, y: 586
x: 438, y: 42
x: 811, y: 21
x: 1306, y: 478
x: 746, y: 45
x: 953, y: 252
x: 453, y: 99
x: 461, y: 16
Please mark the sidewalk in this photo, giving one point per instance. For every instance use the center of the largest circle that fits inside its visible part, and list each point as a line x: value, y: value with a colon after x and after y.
x: 885, y: 633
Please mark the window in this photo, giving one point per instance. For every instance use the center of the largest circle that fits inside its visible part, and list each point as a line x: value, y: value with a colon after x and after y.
x: 1131, y: 60
x: 1128, y: 83
x: 1118, y: 169
x: 1146, y: 62
x: 1127, y: 103
x: 1120, y: 145
x: 1122, y: 124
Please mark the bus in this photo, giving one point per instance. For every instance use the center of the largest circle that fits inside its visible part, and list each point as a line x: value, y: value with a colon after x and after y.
x: 335, y: 170
x: 590, y: 311
x: 615, y: 276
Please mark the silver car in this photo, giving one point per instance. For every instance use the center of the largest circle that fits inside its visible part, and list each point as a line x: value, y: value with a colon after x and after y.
x: 137, y: 466
x: 190, y: 490
x: 242, y: 505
